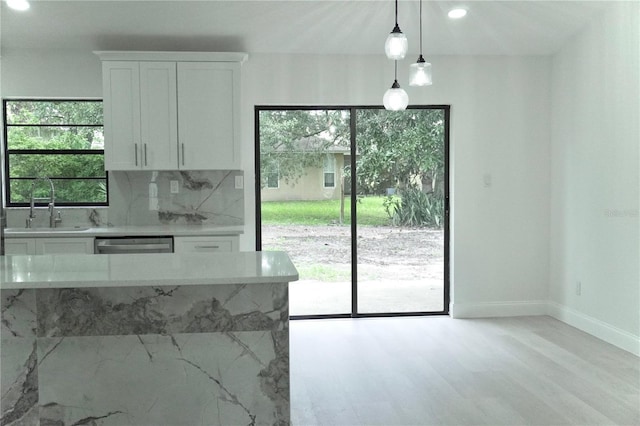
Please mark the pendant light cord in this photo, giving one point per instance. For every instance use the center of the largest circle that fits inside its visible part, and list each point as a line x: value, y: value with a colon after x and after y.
x: 396, y: 13
x: 420, y: 27
x: 395, y: 75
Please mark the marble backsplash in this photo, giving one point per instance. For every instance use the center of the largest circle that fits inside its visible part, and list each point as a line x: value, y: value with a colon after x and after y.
x: 203, y: 197
x: 142, y: 198
x: 71, y: 216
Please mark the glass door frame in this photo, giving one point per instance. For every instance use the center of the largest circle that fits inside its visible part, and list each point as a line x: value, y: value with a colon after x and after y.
x: 353, y: 202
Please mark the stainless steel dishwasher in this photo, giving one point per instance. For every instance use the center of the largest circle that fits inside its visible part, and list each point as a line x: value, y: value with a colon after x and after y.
x: 126, y: 245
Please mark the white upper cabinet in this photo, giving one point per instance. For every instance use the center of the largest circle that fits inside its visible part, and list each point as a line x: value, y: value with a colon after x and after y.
x: 121, y: 103
x: 208, y: 116
x: 158, y: 116
x: 171, y: 110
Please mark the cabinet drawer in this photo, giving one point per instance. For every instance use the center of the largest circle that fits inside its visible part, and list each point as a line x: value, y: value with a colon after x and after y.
x: 205, y: 244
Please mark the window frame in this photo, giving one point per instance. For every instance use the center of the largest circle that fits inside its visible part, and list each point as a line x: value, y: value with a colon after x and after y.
x: 277, y: 174
x: 354, y: 201
x: 6, y: 152
x: 330, y: 158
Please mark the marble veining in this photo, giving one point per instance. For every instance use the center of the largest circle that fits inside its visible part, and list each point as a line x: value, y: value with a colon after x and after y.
x: 161, y: 310
x: 18, y: 313
x: 135, y: 379
x: 146, y: 355
x: 274, y: 378
x: 19, y: 401
x: 205, y: 197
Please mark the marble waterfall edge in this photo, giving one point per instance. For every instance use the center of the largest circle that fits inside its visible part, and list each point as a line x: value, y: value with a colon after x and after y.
x: 18, y: 366
x: 183, y: 355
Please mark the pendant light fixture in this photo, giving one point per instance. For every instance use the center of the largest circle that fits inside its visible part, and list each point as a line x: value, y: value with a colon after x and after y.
x: 396, y: 45
x: 420, y: 72
x: 395, y: 98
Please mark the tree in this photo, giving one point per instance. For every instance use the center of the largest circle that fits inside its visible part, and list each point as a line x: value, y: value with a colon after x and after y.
x: 400, y: 150
x: 52, y: 127
x: 292, y: 141
x: 396, y: 149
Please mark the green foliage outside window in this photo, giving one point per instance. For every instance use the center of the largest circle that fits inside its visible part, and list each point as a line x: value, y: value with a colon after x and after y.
x: 62, y: 140
x: 402, y: 151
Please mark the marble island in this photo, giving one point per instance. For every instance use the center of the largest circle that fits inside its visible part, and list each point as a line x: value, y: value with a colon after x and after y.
x: 148, y: 339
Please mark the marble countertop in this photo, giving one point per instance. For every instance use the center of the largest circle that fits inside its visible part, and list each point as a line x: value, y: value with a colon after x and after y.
x: 60, y: 271
x: 122, y: 231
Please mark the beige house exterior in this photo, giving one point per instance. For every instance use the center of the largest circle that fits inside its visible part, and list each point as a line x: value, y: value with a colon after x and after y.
x: 316, y: 184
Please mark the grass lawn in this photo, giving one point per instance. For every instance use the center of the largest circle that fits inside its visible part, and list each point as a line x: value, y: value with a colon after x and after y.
x: 370, y: 212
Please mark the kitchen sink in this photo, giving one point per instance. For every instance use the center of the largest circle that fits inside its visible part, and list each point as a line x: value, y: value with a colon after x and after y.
x: 43, y: 229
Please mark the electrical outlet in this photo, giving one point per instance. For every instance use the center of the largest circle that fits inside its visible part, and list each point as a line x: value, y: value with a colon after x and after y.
x: 579, y: 288
x: 175, y: 186
x: 239, y: 182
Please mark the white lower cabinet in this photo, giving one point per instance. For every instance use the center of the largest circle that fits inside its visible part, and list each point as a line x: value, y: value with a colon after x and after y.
x: 49, y: 245
x: 64, y: 245
x: 20, y: 246
x: 205, y: 244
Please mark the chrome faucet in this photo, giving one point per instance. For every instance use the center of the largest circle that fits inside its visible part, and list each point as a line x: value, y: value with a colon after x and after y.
x: 53, y: 220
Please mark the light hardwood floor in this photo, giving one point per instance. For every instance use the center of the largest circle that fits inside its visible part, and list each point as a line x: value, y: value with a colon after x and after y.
x: 443, y: 371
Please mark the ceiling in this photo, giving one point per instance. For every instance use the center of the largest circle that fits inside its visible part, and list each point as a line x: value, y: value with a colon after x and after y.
x: 296, y: 26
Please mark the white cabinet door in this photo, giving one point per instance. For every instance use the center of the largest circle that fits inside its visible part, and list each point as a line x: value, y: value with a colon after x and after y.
x: 19, y: 246
x: 208, y: 115
x: 159, y: 117
x: 64, y: 245
x: 121, y: 92
x: 168, y: 115
x: 205, y: 244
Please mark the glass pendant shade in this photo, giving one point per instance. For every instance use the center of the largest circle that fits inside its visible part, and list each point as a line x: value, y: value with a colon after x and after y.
x: 396, y: 45
x: 420, y: 73
x: 395, y: 99
x: 21, y: 5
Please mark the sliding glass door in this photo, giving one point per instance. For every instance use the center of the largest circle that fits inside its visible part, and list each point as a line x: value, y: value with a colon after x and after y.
x: 401, y: 160
x: 304, y: 206
x: 358, y: 198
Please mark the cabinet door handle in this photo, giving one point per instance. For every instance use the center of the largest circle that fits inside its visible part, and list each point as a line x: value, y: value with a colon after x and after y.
x: 182, y: 154
x: 207, y: 247
x: 136, y: 152
x: 145, y: 154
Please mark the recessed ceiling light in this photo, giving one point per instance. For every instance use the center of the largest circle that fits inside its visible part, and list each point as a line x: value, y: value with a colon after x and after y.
x: 18, y: 4
x: 457, y: 13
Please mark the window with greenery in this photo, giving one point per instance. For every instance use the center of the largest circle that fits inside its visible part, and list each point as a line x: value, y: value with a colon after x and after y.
x: 59, y: 139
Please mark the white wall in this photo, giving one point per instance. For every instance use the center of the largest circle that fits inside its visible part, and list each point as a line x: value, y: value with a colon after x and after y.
x: 595, y: 178
x: 499, y: 117
x: 52, y: 74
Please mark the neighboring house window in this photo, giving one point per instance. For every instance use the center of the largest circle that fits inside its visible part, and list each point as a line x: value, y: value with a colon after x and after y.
x: 59, y: 139
x: 329, y: 169
x: 273, y: 179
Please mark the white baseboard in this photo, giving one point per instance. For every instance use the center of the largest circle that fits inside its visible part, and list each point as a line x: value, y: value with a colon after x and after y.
x: 600, y: 329
x: 498, y: 309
